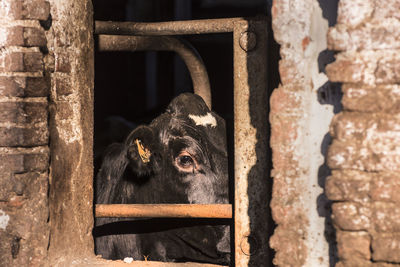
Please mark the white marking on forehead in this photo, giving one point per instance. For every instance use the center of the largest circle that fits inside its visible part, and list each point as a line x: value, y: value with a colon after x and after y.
x: 205, y: 120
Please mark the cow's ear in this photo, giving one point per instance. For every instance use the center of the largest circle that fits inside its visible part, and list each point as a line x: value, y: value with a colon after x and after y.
x: 141, y: 150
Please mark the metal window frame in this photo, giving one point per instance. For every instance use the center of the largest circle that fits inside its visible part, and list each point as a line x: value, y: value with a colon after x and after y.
x: 251, y: 138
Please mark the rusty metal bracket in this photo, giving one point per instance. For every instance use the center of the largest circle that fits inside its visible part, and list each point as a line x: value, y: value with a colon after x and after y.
x: 189, y: 55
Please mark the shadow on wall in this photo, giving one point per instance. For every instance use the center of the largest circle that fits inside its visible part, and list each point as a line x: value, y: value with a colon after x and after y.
x: 259, y: 203
x: 328, y: 94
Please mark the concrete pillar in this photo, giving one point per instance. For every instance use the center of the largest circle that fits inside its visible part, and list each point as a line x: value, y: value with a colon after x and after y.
x: 301, y: 110
x: 70, y: 66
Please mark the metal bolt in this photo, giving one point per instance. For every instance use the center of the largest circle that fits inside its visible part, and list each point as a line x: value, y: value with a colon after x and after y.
x: 248, y: 41
x: 249, y: 245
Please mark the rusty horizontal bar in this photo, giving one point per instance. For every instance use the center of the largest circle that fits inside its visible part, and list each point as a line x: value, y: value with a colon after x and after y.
x: 166, y: 28
x: 193, y: 61
x: 212, y: 211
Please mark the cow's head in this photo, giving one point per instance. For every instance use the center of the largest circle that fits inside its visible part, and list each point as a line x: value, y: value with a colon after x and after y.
x: 182, y: 151
x: 180, y: 157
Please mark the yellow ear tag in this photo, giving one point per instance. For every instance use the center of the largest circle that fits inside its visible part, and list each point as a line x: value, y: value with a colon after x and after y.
x: 144, y: 153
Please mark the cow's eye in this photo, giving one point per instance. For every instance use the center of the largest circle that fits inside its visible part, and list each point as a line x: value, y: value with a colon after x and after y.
x: 185, y: 162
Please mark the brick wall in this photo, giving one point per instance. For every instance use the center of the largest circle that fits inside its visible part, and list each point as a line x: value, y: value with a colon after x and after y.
x: 24, y: 136
x: 365, y: 154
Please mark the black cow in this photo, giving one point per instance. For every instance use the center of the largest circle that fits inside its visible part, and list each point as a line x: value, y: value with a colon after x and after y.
x: 181, y: 157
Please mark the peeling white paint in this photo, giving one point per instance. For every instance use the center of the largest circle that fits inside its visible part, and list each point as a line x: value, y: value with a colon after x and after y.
x: 311, y: 136
x: 205, y: 120
x: 4, y: 219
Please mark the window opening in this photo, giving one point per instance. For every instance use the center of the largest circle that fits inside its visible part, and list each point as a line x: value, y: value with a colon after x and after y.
x: 248, y: 37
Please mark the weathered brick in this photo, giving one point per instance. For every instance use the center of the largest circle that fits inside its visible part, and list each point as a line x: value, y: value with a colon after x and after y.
x: 380, y: 98
x: 24, y: 162
x: 33, y: 61
x: 283, y: 197
x: 351, y: 216
x: 372, y: 35
x: 34, y: 37
x: 388, y: 70
x: 37, y: 86
x: 365, y: 142
x: 386, y: 247
x: 62, y: 85
x: 290, y: 71
x: 286, y: 99
x: 11, y: 163
x: 368, y: 67
x: 20, y: 9
x: 23, y: 112
x: 346, y: 69
x: 6, y: 185
x: 6, y: 241
x: 353, y: 245
x: 386, y: 9
x: 64, y: 110
x: 386, y: 187
x: 12, y: 36
x: 348, y: 185
x: 12, y: 86
x: 24, y: 136
x: 288, y: 253
x: 20, y: 61
x: 11, y: 62
x: 356, y: 262
x: 385, y: 217
x: 346, y: 155
x: 22, y: 36
x: 358, y: 127
x: 24, y: 86
x: 62, y: 62
x: 33, y: 230
x: 354, y: 12
x: 285, y: 129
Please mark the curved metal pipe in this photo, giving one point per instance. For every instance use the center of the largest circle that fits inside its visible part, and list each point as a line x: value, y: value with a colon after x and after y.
x: 193, y: 61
